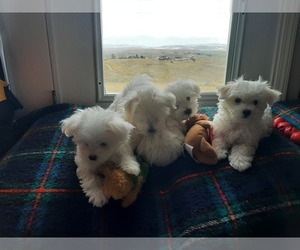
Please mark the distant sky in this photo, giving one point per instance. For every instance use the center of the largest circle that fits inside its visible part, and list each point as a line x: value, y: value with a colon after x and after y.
x: 173, y: 19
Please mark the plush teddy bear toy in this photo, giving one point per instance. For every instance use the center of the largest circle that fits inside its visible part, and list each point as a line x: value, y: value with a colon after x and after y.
x: 120, y: 185
x: 197, y: 139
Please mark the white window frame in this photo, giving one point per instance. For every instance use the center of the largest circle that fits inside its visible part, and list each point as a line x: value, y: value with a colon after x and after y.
x: 103, y: 98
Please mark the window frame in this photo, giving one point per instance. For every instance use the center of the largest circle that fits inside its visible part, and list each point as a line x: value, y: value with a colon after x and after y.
x: 279, y: 63
x: 207, y: 98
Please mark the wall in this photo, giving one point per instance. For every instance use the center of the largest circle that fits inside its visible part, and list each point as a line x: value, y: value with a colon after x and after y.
x: 26, y: 51
x: 294, y: 81
x: 271, y: 49
x: 44, y: 52
x: 258, y: 44
x: 72, y: 48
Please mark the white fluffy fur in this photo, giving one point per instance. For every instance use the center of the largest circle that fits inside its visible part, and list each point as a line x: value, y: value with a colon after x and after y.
x: 100, y: 136
x: 161, y: 147
x: 187, y: 93
x: 243, y: 118
x: 148, y: 108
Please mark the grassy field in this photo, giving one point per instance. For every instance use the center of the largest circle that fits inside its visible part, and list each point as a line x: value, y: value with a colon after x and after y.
x: 207, y: 69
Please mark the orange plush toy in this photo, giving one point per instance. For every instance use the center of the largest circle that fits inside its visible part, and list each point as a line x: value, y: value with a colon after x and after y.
x: 196, y: 139
x: 119, y: 185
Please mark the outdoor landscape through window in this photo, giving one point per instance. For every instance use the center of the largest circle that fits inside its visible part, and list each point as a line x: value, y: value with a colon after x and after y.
x: 168, y: 39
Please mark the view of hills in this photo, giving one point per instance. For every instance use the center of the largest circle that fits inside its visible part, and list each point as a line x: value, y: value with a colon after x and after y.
x: 126, y: 51
x: 203, y: 63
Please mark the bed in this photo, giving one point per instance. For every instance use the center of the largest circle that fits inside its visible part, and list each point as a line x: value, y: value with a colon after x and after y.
x: 40, y: 194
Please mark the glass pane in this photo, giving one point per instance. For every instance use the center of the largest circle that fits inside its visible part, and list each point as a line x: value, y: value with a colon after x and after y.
x: 168, y: 39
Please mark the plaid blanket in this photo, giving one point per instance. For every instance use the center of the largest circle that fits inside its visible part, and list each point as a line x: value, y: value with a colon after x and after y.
x: 40, y: 193
x: 289, y: 111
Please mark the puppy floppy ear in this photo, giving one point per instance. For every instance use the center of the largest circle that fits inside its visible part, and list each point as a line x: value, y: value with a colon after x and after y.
x: 69, y: 126
x: 224, y: 91
x: 272, y: 95
x: 120, y: 128
x: 170, y: 100
x: 130, y: 106
x: 196, y: 90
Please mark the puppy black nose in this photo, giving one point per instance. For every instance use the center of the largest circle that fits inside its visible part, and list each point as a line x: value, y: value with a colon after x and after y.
x: 151, y: 130
x: 93, y: 157
x: 246, y: 113
x: 188, y: 111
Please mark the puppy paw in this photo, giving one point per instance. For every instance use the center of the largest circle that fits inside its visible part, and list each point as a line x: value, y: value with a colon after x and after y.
x: 221, y: 154
x: 240, y: 162
x: 91, y: 185
x: 131, y: 167
x: 98, y: 199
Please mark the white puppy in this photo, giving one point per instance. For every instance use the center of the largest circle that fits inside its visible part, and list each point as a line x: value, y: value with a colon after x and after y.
x: 243, y: 118
x: 187, y: 93
x: 148, y: 108
x: 100, y: 136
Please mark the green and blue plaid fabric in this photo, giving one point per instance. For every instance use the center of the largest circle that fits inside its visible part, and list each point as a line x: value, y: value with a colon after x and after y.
x: 289, y: 111
x: 40, y: 194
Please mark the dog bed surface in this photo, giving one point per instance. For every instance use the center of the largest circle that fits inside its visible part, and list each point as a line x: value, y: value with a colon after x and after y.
x: 41, y: 197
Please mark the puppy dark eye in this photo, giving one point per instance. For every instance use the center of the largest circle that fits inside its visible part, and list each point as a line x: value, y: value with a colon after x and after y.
x: 255, y: 102
x: 103, y: 144
x: 188, y: 98
x: 238, y: 100
x: 86, y: 144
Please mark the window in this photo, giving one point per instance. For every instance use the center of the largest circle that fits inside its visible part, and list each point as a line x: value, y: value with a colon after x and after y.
x: 168, y: 39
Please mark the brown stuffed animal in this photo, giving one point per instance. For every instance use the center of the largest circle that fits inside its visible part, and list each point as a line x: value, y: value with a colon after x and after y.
x: 196, y: 139
x: 120, y: 185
